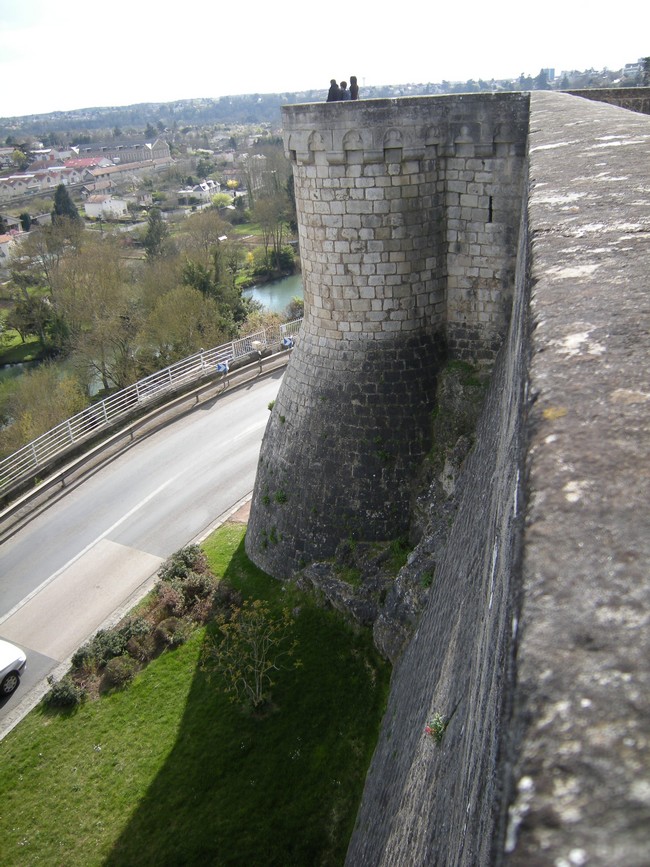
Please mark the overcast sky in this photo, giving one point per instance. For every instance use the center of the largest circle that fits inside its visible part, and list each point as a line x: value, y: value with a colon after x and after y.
x: 55, y: 58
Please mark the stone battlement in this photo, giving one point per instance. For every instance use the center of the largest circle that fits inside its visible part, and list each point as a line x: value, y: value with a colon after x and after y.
x: 408, y: 210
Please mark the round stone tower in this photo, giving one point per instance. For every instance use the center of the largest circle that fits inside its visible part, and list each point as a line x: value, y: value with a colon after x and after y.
x: 351, y: 422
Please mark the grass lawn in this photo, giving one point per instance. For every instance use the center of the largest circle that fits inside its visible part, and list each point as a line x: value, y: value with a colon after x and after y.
x: 170, y: 772
x: 13, y: 350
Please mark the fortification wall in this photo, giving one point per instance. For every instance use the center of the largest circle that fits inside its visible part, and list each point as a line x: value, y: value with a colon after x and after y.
x: 534, y: 645
x: 408, y: 213
x: 632, y: 98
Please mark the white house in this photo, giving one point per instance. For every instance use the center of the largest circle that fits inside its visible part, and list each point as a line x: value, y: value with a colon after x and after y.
x: 7, y: 243
x: 203, y: 192
x: 105, y: 207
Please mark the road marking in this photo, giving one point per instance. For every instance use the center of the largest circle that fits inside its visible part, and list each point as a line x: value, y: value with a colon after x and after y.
x: 249, y: 430
x: 60, y: 619
x: 88, y: 547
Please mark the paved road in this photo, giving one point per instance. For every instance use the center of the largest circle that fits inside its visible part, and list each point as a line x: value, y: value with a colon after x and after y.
x: 76, y: 563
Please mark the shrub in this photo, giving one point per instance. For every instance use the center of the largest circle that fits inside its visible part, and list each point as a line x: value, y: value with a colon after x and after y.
x: 64, y: 693
x: 197, y: 586
x: 179, y: 565
x: 119, y: 671
x: 173, y: 631
x: 106, y: 644
x: 135, y: 627
x: 84, y: 658
x: 171, y: 599
x: 142, y: 648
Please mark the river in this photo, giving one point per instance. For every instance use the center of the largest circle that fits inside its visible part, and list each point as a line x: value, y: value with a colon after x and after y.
x: 277, y: 295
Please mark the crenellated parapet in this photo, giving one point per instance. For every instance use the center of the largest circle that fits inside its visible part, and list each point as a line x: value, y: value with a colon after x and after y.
x: 408, y: 213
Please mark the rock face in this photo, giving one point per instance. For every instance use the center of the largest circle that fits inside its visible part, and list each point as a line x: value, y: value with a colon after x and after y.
x: 408, y: 215
x: 360, y: 580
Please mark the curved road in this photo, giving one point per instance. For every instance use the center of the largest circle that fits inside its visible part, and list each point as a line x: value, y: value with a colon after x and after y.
x: 80, y: 559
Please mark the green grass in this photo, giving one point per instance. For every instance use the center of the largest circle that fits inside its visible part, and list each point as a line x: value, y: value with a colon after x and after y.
x: 13, y: 350
x: 169, y: 772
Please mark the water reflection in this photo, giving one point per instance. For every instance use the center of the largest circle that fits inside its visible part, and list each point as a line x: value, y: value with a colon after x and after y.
x: 276, y: 296
x: 13, y: 371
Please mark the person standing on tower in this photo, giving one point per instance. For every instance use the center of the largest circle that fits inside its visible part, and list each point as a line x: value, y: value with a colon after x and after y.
x: 354, y: 87
x: 334, y: 93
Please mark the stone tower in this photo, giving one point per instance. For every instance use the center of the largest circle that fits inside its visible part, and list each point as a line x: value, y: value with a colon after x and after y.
x: 408, y: 211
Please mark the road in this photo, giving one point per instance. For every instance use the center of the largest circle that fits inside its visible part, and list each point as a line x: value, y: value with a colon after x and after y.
x: 77, y: 562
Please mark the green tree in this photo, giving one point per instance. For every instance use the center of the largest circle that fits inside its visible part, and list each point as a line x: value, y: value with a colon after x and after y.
x: 221, y: 200
x: 156, y: 235
x: 96, y: 301
x: 645, y: 72
x: 271, y: 212
x: 20, y: 159
x: 40, y: 400
x: 64, y: 208
x: 248, y: 646
x: 182, y: 322
x: 29, y: 315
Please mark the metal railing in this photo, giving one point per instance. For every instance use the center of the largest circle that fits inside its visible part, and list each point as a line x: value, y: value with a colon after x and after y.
x: 104, y: 414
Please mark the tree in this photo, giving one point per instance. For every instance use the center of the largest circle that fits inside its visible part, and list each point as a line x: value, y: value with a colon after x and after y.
x: 295, y: 309
x: 221, y: 200
x: 182, y: 322
x: 156, y: 235
x: 201, y: 233
x: 271, y: 212
x: 29, y: 315
x: 64, y: 208
x: 95, y: 300
x: 249, y: 645
x: 42, y: 253
x: 40, y: 400
x: 645, y: 71
x: 20, y: 159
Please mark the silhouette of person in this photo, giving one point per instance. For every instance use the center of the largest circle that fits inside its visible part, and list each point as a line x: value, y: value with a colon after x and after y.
x: 334, y: 93
x: 345, y: 93
x: 354, y: 87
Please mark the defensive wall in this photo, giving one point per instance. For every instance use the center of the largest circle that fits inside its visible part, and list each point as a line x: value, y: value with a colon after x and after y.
x: 634, y: 98
x: 534, y: 645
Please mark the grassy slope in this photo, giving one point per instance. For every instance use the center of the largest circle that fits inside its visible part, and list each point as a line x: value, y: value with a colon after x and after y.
x: 169, y: 772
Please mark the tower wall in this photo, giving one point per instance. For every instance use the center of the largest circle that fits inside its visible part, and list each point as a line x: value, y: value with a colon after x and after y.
x: 407, y: 212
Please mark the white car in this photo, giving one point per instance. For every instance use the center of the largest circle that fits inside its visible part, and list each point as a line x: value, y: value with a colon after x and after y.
x: 12, y: 665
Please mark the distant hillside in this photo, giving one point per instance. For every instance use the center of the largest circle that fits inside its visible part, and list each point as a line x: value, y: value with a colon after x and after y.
x: 254, y: 108
x: 242, y: 109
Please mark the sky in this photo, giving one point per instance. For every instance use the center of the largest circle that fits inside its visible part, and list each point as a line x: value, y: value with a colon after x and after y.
x: 56, y: 58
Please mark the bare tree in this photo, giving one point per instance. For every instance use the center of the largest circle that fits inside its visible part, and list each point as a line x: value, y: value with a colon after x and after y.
x: 250, y: 644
